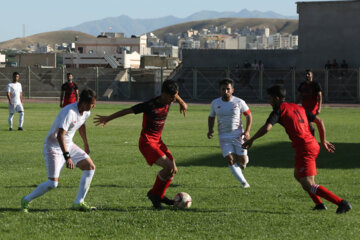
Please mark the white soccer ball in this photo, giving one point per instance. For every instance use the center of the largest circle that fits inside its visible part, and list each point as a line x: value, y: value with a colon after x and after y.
x: 183, y: 200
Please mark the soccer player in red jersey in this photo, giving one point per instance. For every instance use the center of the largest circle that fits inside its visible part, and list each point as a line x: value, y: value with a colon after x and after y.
x: 70, y: 90
x: 295, y: 120
x: 150, y: 143
x: 310, y: 96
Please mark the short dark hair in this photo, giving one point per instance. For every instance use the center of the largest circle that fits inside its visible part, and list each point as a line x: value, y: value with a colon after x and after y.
x: 87, y: 95
x: 277, y: 91
x: 226, y: 81
x: 68, y: 74
x: 15, y: 73
x: 170, y: 87
x: 308, y: 70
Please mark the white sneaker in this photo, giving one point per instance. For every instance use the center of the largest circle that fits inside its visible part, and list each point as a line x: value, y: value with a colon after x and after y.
x: 246, y: 185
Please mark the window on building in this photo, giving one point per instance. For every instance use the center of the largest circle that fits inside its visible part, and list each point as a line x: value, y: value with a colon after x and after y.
x: 80, y: 49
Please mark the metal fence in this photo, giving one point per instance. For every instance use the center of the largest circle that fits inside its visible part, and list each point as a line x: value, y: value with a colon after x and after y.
x: 338, y: 85
x: 196, y: 84
x: 109, y: 84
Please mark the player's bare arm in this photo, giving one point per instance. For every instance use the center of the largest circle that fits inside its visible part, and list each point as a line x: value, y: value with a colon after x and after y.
x: 183, y: 105
x: 21, y: 99
x: 82, y: 132
x: 77, y: 95
x: 9, y: 98
x: 61, y: 98
x: 61, y: 139
x: 248, y: 126
x: 320, y: 102
x: 211, y: 122
x: 261, y: 132
x: 99, y: 119
x: 322, y: 132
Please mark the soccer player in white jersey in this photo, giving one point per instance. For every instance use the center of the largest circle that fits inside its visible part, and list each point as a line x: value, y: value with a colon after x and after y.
x: 15, y: 97
x: 228, y: 110
x: 59, y: 149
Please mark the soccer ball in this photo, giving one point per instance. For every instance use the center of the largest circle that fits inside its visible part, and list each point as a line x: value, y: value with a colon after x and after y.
x: 183, y: 200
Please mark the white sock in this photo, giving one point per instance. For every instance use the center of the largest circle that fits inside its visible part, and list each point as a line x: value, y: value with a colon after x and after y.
x: 11, y: 115
x: 41, y: 189
x: 21, y: 119
x: 236, y: 171
x: 84, y: 185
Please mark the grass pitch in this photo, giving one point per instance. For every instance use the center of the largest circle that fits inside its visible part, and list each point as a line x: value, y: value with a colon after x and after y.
x: 275, y: 207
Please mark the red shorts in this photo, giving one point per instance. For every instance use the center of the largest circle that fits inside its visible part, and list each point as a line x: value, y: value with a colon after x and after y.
x: 68, y: 101
x: 305, y: 160
x: 152, y: 151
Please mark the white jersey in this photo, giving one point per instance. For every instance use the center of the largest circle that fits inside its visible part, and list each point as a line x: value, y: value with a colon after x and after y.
x: 229, y: 116
x: 68, y: 119
x: 15, y: 90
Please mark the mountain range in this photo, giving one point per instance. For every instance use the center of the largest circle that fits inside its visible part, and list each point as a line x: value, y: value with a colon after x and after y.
x: 131, y: 26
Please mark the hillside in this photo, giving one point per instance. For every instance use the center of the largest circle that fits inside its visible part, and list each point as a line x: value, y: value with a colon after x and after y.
x: 275, y: 25
x: 45, y: 38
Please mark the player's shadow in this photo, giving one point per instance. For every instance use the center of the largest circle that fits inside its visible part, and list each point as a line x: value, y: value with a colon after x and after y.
x: 281, y: 155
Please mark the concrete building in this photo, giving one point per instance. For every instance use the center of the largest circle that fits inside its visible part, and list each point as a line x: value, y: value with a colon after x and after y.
x: 2, y: 60
x: 329, y: 30
x: 169, y: 51
x: 45, y: 60
x: 115, y: 60
x: 105, y: 45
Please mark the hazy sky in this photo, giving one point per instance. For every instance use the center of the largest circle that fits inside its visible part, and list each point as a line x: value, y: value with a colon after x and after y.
x: 48, y: 15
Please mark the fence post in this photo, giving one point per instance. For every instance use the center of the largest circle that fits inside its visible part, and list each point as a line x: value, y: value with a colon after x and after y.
x: 63, y: 75
x: 358, y: 85
x: 261, y: 84
x: 28, y: 81
x: 326, y: 86
x: 194, y: 83
x: 129, y: 78
x: 227, y: 72
x: 161, y: 75
x: 97, y: 81
x: 293, y: 84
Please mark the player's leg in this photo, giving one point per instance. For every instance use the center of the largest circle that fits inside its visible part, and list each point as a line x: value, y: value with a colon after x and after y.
x: 84, y: 162
x: 11, y: 116
x: 20, y: 110
x: 228, y: 149
x: 54, y: 162
x: 306, y: 184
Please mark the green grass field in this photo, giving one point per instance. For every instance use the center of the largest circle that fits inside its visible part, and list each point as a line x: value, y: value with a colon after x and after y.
x: 275, y: 207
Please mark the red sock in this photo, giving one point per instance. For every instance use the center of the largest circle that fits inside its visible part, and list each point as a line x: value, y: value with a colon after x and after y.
x: 160, y: 186
x: 324, y: 193
x: 315, y: 198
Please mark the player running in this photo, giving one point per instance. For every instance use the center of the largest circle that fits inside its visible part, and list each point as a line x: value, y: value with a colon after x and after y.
x: 59, y: 150
x: 228, y: 110
x: 69, y: 92
x: 295, y: 120
x: 150, y: 142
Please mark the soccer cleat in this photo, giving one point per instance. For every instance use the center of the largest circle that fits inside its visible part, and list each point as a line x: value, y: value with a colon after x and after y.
x: 320, y: 206
x: 156, y: 200
x: 242, y: 166
x: 10, y: 129
x: 20, y: 129
x: 167, y: 201
x: 83, y: 207
x: 24, y: 205
x: 245, y: 185
x: 344, y: 206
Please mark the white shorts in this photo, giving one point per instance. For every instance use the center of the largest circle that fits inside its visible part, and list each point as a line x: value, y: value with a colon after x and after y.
x: 232, y: 146
x: 16, y: 107
x: 55, y: 161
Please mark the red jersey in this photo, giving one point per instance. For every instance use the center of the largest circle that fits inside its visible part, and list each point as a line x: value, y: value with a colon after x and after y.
x: 295, y: 120
x: 309, y: 93
x: 153, y: 119
x: 70, y: 92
